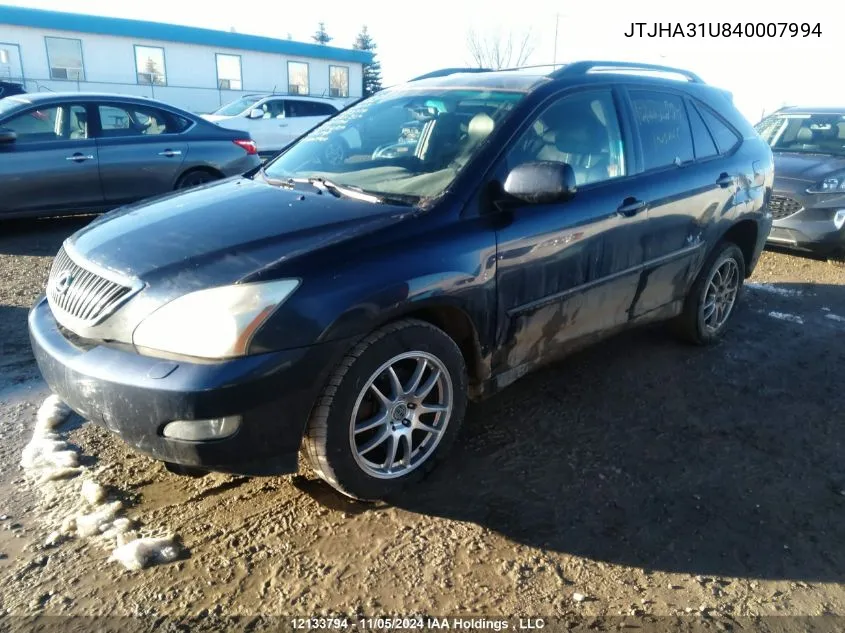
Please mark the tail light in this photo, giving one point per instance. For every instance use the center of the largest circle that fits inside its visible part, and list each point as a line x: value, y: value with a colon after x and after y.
x: 247, y: 145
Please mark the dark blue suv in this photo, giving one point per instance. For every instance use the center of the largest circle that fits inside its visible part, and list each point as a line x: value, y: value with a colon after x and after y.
x: 481, y: 224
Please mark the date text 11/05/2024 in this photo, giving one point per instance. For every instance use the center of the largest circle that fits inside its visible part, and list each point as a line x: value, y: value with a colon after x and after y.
x: 724, y: 29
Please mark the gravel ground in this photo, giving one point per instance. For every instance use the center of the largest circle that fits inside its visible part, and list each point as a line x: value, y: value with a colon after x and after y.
x: 640, y: 477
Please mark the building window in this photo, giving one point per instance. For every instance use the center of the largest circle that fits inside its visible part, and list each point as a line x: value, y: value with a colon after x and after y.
x: 149, y: 65
x: 338, y: 81
x: 65, y: 58
x: 229, y: 72
x: 298, y: 78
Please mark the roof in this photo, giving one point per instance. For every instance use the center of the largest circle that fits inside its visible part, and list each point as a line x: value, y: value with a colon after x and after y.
x: 490, y: 80
x: 800, y: 110
x: 47, y: 98
x: 144, y: 30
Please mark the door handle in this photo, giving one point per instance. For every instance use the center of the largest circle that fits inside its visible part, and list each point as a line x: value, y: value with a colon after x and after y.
x: 170, y: 153
x: 79, y: 157
x: 283, y: 124
x: 725, y: 180
x: 630, y: 207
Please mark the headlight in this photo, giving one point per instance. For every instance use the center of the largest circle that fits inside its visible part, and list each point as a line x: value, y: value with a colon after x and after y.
x: 213, y: 323
x: 831, y: 184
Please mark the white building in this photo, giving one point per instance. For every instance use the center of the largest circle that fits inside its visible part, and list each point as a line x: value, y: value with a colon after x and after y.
x: 192, y: 68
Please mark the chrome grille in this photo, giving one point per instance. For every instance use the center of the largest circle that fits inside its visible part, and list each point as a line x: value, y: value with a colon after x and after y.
x: 81, y: 293
x: 782, y: 207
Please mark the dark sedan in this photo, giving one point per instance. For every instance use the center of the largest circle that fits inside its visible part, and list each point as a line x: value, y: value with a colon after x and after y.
x: 81, y: 152
x: 808, y: 205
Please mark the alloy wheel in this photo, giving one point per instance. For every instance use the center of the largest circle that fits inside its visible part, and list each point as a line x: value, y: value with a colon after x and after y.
x: 401, y: 414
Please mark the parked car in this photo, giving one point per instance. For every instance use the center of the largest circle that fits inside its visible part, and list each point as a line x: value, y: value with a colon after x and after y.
x: 274, y: 121
x: 355, y: 308
x: 83, y: 152
x: 808, y: 204
x: 9, y: 88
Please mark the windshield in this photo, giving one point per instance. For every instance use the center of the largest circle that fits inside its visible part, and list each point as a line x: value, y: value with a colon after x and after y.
x: 805, y: 133
x: 405, y: 142
x: 236, y: 107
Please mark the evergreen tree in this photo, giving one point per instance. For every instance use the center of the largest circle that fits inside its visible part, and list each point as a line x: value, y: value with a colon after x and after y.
x: 372, y: 71
x: 321, y: 37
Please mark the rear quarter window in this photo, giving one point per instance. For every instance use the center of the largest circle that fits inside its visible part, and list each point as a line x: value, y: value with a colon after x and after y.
x: 723, y: 134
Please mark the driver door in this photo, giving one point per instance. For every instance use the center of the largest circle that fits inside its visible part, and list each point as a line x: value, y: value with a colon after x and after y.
x: 570, y: 269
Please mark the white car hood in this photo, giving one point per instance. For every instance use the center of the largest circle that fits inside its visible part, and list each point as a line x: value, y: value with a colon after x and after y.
x: 214, y: 118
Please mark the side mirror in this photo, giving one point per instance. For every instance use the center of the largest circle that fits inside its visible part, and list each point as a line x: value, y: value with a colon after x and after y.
x: 541, y: 182
x: 256, y: 113
x: 7, y: 135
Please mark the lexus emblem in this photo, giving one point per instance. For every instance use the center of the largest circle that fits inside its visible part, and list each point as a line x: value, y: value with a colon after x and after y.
x: 63, y: 282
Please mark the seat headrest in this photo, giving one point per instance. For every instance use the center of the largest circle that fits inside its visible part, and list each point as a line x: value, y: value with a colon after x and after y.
x: 804, y: 135
x: 480, y: 126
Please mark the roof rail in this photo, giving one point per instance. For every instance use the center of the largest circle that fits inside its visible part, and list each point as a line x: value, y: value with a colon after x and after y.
x: 582, y: 68
x: 443, y: 72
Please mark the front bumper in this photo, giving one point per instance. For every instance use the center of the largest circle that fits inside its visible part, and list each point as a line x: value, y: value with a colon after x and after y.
x: 135, y: 396
x: 812, y: 228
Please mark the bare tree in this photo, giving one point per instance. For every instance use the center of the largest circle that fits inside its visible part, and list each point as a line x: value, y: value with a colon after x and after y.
x: 496, y: 51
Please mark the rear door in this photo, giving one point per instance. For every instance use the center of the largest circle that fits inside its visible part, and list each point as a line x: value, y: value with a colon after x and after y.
x: 52, y: 166
x: 687, y: 187
x: 141, y: 148
x: 568, y: 270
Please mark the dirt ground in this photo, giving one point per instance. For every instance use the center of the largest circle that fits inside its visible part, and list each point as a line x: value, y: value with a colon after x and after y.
x: 641, y: 477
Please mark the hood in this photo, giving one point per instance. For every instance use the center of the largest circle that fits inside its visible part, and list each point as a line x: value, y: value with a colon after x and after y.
x: 230, y: 228
x: 214, y: 118
x: 809, y: 167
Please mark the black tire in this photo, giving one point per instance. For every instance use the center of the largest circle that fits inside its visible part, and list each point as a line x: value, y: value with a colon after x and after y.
x: 329, y: 438
x: 691, y: 325
x: 195, y: 178
x: 837, y: 259
x: 335, y: 152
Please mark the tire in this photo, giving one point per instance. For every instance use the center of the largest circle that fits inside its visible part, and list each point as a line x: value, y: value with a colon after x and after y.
x: 694, y: 324
x: 335, y: 152
x: 195, y: 178
x: 837, y: 259
x: 341, y: 457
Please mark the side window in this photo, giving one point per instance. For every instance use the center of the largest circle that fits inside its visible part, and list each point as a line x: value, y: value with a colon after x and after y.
x: 56, y: 123
x: 308, y: 108
x: 580, y: 129
x: 273, y: 109
x: 704, y: 145
x: 664, y: 129
x: 132, y: 120
x: 726, y: 139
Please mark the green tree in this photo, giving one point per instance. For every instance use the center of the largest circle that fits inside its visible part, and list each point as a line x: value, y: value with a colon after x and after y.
x: 372, y: 71
x: 321, y: 37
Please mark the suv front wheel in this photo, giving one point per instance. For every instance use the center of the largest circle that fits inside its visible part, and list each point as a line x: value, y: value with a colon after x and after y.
x: 389, y: 412
x: 713, y: 297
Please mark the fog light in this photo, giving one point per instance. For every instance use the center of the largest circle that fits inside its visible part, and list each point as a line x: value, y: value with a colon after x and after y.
x: 198, y: 430
x: 839, y: 219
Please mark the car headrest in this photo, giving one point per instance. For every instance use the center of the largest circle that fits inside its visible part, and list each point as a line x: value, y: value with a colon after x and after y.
x: 805, y: 135
x: 480, y: 126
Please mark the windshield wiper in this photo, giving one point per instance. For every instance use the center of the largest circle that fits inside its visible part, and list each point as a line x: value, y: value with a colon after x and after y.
x: 339, y: 191
x: 287, y: 184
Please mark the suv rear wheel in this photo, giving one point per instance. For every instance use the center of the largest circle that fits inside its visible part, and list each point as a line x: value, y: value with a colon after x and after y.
x: 713, y: 297
x: 390, y: 411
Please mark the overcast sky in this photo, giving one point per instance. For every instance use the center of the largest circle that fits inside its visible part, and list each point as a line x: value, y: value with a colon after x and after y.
x: 416, y: 37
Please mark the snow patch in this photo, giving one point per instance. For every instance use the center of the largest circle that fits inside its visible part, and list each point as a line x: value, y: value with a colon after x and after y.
x: 93, y: 492
x: 834, y: 317
x: 141, y: 552
x: 82, y: 510
x: 783, y: 292
x: 783, y: 316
